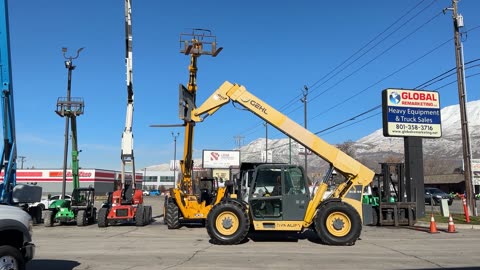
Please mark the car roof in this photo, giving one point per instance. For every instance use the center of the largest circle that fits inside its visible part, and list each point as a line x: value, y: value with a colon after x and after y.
x: 434, y: 189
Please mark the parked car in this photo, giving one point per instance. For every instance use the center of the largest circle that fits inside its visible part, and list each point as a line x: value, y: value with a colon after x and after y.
x: 155, y: 192
x: 434, y: 196
x: 45, y: 202
x: 146, y: 193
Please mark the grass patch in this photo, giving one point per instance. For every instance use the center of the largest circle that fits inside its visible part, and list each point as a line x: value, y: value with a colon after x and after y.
x: 457, y: 218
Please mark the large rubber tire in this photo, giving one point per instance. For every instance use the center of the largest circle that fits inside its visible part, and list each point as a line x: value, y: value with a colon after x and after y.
x: 102, y: 217
x: 173, y: 216
x: 165, y: 203
x: 227, y: 223
x: 11, y: 258
x: 145, y: 215
x: 48, y: 217
x: 148, y: 214
x: 140, y: 216
x: 338, y: 223
x: 375, y: 216
x: 92, y: 218
x: 81, y: 218
x: 36, y: 214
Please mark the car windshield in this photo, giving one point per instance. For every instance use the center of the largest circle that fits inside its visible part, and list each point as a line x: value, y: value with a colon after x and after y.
x: 434, y: 191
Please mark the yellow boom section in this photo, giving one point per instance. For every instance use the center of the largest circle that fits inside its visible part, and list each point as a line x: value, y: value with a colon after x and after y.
x: 357, y: 173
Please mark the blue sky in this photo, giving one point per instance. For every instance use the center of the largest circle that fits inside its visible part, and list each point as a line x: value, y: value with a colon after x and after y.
x: 274, y: 48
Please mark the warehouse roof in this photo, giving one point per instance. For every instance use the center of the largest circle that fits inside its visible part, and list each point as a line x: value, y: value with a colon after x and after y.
x: 452, y: 178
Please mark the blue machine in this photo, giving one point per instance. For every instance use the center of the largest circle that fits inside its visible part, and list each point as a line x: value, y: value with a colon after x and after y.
x: 9, y: 153
x: 10, y: 192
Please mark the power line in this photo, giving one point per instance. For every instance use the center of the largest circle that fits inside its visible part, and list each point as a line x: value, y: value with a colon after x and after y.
x: 354, y: 123
x: 444, y: 76
x: 376, y: 57
x: 379, y: 106
x: 313, y: 86
x: 383, y: 79
x: 252, y: 130
x: 350, y: 119
x: 375, y: 45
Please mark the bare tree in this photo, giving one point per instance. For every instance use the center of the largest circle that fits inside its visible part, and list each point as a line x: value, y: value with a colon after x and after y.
x: 348, y: 148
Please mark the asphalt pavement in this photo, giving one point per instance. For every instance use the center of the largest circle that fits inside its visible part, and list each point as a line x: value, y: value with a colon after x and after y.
x: 155, y: 247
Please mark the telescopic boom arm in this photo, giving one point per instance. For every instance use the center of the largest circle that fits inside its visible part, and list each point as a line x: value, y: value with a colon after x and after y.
x: 127, y: 156
x: 9, y: 153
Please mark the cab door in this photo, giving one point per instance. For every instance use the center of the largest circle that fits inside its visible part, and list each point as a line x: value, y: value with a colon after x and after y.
x: 264, y: 203
x: 290, y: 205
x: 296, y: 196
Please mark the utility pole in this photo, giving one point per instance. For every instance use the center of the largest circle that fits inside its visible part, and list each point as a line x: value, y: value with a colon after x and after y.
x: 462, y: 98
x: 144, y: 178
x: 304, y: 100
x: 22, y: 159
x: 175, y: 158
x: 239, y: 141
x: 266, y: 141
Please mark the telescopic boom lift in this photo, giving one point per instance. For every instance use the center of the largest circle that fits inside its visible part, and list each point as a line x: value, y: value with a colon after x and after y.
x: 126, y: 202
x: 10, y: 192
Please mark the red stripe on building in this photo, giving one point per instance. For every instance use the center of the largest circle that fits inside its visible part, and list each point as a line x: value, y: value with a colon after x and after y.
x: 105, y: 174
x: 31, y: 174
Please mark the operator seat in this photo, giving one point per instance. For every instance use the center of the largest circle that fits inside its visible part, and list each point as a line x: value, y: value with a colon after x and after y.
x: 205, y: 196
x: 127, y: 196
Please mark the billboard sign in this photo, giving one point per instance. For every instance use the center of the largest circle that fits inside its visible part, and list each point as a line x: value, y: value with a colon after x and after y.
x: 411, y: 113
x: 220, y: 159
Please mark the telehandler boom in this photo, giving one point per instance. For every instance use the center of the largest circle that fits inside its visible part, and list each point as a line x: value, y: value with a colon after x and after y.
x: 184, y: 205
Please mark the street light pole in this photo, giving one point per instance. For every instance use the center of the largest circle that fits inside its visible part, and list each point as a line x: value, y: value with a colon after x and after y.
x: 22, y: 159
x: 175, y: 158
x: 304, y: 100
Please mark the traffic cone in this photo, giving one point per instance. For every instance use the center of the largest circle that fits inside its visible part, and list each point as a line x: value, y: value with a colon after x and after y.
x: 451, y: 226
x: 433, y: 225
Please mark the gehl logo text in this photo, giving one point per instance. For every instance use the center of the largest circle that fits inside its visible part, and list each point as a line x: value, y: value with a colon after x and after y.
x: 258, y: 106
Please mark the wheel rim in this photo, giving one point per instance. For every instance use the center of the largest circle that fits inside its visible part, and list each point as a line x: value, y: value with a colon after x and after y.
x: 227, y: 223
x: 8, y: 263
x: 338, y: 224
